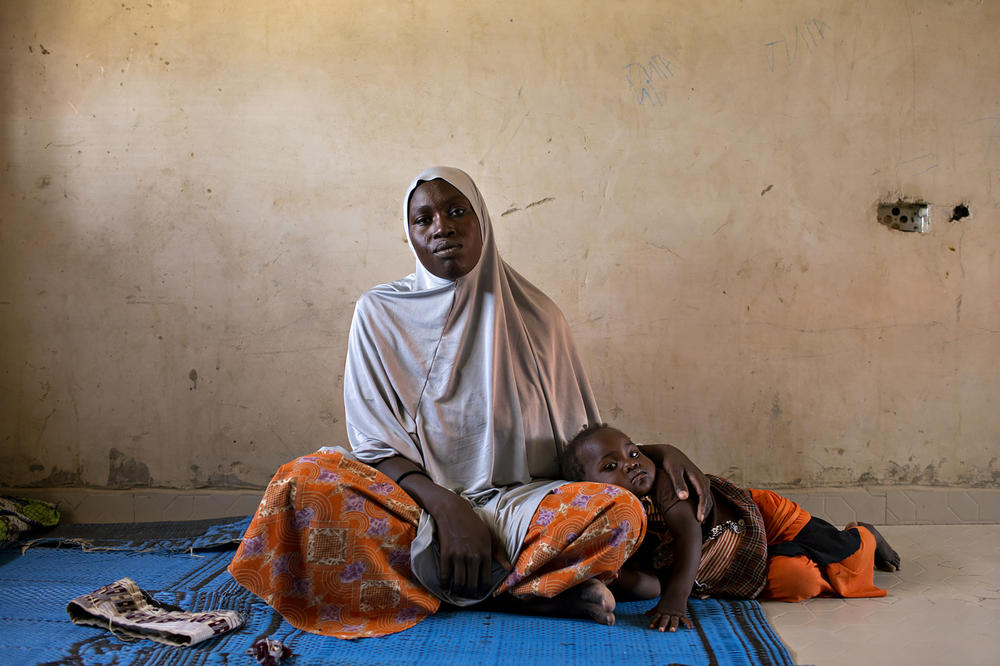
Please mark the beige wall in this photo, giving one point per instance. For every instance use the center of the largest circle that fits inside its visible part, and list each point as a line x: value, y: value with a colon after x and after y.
x: 194, y: 193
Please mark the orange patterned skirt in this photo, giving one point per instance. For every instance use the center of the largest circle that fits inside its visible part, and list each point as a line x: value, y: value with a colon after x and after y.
x: 329, y: 547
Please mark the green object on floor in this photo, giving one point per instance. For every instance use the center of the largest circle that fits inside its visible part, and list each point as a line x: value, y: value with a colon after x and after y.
x: 20, y: 514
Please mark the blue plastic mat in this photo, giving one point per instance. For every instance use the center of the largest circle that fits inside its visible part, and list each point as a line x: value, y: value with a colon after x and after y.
x: 36, y: 628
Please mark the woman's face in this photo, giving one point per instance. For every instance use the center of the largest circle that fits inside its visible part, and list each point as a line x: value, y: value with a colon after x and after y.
x: 444, y: 229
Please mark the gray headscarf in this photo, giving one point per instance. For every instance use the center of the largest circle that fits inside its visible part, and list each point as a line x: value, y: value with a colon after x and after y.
x: 477, y: 380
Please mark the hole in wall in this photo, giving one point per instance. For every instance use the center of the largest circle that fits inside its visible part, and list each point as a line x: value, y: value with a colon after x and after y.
x: 904, y: 215
x: 960, y: 212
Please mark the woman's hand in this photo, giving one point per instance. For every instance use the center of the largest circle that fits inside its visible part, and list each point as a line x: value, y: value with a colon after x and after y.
x: 468, y: 549
x: 680, y: 471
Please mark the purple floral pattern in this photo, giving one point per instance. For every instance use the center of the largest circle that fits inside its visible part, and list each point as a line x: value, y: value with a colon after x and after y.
x: 326, y: 476
x: 352, y: 572
x: 301, y: 587
x: 279, y: 565
x: 378, y: 527
x: 620, y: 533
x: 303, y: 517
x: 354, y: 502
x: 408, y: 614
x: 254, y: 545
x: 545, y: 516
x: 399, y: 557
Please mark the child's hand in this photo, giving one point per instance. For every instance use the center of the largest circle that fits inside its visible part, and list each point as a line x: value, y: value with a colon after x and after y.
x: 666, y: 619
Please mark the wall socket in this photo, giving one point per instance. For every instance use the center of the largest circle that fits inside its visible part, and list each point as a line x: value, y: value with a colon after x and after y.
x: 905, y: 216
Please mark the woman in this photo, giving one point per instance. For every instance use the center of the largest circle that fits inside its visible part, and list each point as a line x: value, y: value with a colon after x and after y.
x: 462, y: 386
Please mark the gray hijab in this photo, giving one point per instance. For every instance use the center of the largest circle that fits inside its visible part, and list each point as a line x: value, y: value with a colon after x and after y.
x: 477, y: 380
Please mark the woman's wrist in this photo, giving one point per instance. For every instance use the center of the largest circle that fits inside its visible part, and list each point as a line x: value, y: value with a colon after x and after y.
x: 409, y: 472
x: 432, y: 498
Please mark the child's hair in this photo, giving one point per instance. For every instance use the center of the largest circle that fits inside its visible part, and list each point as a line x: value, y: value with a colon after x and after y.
x: 572, y: 469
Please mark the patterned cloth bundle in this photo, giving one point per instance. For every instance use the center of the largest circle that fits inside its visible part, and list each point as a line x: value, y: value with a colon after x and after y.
x: 20, y: 514
x: 127, y: 611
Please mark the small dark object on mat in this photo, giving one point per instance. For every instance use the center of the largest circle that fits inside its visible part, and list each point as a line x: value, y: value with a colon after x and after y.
x: 269, y: 652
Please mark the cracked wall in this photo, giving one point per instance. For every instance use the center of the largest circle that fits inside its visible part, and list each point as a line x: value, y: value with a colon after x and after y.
x: 195, y: 194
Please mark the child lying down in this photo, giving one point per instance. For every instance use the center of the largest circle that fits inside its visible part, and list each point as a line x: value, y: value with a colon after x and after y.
x: 754, y: 542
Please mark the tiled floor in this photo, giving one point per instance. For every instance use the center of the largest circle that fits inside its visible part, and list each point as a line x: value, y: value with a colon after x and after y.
x: 943, y: 606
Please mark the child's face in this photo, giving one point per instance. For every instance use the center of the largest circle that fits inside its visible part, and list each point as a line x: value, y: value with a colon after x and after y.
x: 609, y: 456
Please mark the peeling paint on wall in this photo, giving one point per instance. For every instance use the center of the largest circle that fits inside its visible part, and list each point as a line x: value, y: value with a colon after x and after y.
x: 125, y: 472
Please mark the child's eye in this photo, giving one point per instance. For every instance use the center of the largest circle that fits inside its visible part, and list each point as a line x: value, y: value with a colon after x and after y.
x: 610, y: 467
x: 633, y: 454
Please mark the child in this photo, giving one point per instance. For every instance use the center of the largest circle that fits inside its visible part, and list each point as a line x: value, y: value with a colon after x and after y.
x: 754, y: 542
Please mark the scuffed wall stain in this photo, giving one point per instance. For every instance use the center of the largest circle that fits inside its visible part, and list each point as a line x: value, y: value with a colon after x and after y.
x: 222, y: 478
x: 895, y: 474
x: 125, y: 472
x: 60, y: 478
x: 515, y: 209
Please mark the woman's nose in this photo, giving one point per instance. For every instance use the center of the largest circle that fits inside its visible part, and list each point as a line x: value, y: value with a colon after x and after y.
x: 443, y: 226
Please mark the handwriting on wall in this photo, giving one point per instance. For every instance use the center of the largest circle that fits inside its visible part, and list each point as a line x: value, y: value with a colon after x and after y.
x: 643, y: 78
x: 806, y: 37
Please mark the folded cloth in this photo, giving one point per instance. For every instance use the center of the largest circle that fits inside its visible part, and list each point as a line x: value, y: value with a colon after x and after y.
x: 20, y: 514
x: 127, y: 611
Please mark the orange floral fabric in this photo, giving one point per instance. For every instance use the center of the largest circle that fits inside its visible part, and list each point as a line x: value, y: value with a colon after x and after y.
x: 579, y: 531
x: 329, y: 547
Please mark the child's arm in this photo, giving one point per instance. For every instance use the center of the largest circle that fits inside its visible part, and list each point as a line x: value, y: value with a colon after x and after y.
x: 635, y: 583
x: 671, y: 611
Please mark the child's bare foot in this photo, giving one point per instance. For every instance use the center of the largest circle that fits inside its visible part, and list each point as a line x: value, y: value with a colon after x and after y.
x: 886, y: 559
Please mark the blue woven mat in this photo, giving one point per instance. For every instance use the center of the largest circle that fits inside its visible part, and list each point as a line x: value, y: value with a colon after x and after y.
x: 36, y: 629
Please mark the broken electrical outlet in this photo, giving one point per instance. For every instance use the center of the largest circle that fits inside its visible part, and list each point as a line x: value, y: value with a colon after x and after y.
x: 905, y: 216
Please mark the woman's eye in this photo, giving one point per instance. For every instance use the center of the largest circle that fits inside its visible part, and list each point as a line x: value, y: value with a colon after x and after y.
x: 457, y: 212
x: 420, y: 221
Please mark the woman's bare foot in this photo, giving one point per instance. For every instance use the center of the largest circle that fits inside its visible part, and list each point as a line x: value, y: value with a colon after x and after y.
x: 591, y: 598
x: 886, y: 559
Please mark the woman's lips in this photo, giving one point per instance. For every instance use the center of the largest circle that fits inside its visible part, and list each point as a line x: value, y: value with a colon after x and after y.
x: 448, y: 251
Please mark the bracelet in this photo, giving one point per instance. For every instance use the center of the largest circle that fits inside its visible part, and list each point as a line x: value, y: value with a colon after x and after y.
x: 399, y: 480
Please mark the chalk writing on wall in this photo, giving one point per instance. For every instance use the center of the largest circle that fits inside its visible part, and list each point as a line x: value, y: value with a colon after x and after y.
x: 806, y: 36
x: 994, y: 134
x: 643, y: 77
x: 919, y: 165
